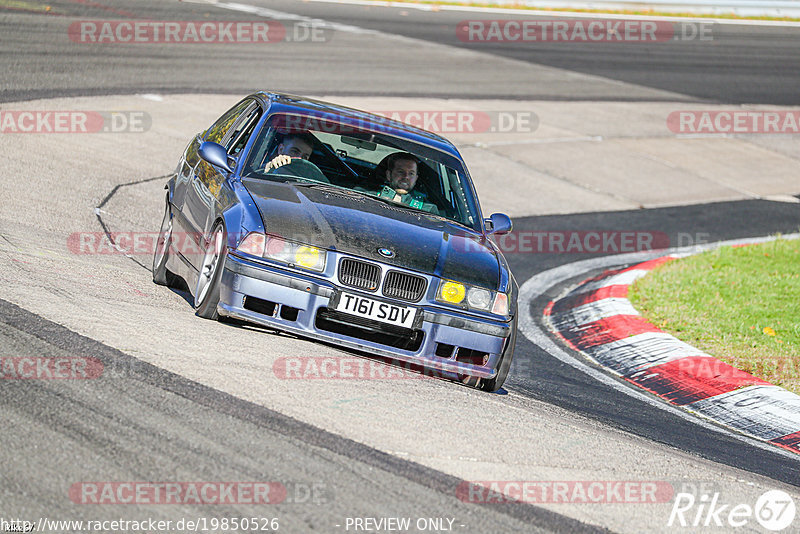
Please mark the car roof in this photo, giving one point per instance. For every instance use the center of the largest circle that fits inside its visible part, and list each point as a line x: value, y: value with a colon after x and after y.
x: 299, y: 105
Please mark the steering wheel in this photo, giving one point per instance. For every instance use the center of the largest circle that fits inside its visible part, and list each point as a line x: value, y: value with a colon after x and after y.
x: 301, y: 168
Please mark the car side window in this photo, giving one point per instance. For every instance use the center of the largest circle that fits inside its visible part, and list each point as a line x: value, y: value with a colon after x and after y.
x: 218, y: 130
x: 259, y: 151
x: 244, y: 129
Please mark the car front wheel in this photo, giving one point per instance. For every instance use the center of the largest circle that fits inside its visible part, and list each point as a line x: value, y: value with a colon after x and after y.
x: 208, y: 281
x: 493, y: 384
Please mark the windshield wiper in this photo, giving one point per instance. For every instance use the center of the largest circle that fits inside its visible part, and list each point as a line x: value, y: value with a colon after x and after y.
x: 385, y: 201
x: 320, y: 185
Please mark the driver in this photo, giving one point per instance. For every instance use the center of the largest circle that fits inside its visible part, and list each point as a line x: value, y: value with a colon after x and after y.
x: 293, y: 156
x: 294, y: 145
x: 401, y: 177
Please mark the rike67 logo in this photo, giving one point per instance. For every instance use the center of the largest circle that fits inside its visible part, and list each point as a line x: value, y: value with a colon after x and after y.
x: 774, y: 511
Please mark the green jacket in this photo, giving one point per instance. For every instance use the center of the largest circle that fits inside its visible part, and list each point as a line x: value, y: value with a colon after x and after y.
x: 415, y: 199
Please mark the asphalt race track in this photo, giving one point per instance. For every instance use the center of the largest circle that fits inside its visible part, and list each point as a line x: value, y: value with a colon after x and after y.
x: 186, y: 400
x: 741, y: 64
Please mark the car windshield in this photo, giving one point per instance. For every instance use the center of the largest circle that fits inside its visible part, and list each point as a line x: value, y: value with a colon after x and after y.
x: 365, y: 159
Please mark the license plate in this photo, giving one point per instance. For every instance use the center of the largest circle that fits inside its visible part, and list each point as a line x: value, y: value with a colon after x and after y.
x: 376, y: 310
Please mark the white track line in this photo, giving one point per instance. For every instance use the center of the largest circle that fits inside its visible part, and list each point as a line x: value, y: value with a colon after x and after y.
x: 539, y: 284
x: 273, y: 14
x: 560, y: 14
x: 471, y: 53
x: 641, y: 352
x: 621, y: 279
x: 598, y: 310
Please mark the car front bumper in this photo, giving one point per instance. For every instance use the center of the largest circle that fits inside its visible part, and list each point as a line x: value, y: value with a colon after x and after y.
x: 306, y: 295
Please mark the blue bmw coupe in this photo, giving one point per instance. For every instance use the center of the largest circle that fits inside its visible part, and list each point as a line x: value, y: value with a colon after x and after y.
x: 343, y: 226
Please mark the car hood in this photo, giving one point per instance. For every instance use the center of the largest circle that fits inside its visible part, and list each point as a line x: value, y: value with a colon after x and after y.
x: 355, y: 224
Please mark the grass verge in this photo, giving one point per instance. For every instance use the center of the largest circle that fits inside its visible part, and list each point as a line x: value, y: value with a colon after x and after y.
x: 739, y: 304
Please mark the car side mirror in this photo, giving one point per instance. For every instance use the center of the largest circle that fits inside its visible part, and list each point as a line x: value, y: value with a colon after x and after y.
x: 499, y: 224
x: 215, y: 154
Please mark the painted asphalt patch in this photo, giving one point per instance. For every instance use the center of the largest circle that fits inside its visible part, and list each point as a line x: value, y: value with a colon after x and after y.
x: 596, y: 319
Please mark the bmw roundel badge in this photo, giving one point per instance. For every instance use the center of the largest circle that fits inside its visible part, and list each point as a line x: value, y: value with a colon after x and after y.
x: 386, y: 253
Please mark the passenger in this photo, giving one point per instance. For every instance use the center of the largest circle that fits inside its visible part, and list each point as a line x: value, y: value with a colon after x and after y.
x: 401, y: 178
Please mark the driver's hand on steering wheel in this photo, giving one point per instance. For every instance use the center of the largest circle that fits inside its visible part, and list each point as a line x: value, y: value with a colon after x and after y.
x: 278, y: 161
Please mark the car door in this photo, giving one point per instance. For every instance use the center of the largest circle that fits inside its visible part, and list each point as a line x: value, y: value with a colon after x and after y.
x: 216, y: 183
x: 198, y: 200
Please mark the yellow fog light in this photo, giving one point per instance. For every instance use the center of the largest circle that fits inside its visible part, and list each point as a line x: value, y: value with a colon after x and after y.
x: 310, y: 258
x: 452, y: 292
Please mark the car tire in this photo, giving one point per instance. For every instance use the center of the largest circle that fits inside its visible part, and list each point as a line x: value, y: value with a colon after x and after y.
x: 493, y: 384
x: 206, y: 295
x: 161, y: 275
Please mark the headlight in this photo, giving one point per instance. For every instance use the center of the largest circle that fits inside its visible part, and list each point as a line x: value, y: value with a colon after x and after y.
x: 479, y: 298
x: 451, y: 292
x: 279, y: 249
x: 472, y: 298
